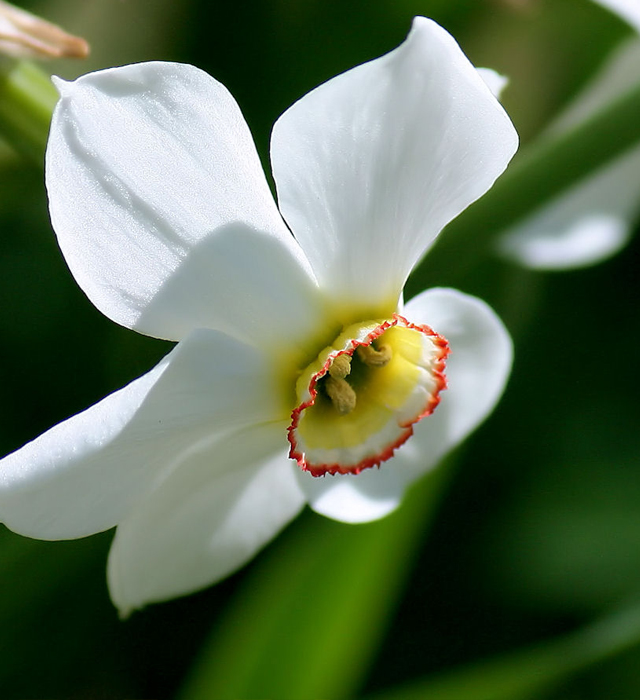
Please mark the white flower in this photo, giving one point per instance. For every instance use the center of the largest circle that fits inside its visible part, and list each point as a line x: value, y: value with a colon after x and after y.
x: 594, y: 219
x: 166, y: 220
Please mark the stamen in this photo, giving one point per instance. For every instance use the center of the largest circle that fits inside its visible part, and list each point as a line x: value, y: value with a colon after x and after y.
x: 372, y: 357
x: 341, y: 366
x: 342, y: 396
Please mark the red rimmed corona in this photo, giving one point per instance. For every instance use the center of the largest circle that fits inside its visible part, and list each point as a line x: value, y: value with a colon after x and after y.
x: 359, y: 399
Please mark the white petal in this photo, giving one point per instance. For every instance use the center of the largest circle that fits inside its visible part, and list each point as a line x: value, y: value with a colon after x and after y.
x: 582, y: 227
x: 496, y: 82
x: 145, y: 165
x: 243, y: 283
x: 595, y: 218
x: 370, y: 166
x: 477, y: 368
x: 217, y: 509
x: 352, y: 498
x: 477, y: 371
x: 85, y: 474
x: 628, y: 10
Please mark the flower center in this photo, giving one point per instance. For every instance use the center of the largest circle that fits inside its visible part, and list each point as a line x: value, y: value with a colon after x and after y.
x: 335, y: 383
x: 359, y: 399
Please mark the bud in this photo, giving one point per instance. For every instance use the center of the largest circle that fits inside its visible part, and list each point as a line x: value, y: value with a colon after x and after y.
x: 23, y: 35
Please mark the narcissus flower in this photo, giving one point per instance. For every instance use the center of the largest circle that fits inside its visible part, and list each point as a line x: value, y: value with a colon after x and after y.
x: 299, y: 375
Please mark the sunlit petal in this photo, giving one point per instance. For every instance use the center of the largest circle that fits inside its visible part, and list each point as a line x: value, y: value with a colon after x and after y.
x: 145, y: 165
x: 84, y: 475
x: 222, y: 503
x: 370, y: 166
x: 244, y: 283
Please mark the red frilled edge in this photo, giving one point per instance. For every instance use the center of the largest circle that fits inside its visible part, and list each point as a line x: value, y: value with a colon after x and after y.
x: 375, y: 460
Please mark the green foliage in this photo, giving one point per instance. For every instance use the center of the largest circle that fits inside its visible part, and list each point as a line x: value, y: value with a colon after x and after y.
x: 307, y: 623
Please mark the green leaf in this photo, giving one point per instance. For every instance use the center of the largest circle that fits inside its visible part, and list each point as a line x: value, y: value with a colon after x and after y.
x: 309, y: 619
x: 533, y: 672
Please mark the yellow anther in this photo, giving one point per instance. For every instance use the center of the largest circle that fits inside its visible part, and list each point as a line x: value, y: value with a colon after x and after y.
x: 342, y: 396
x: 340, y: 367
x: 372, y: 357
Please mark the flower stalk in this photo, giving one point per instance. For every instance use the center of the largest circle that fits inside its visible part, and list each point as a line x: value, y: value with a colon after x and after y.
x: 27, y: 99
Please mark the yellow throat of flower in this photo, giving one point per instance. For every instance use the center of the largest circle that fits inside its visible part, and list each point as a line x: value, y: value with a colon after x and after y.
x: 359, y: 399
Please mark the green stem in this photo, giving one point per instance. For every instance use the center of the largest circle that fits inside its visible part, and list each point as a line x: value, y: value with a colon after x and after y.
x: 27, y: 98
x: 308, y: 621
x: 546, y: 169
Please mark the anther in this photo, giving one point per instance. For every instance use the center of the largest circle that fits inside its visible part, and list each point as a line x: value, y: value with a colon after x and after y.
x: 340, y: 367
x: 372, y: 357
x: 342, y: 396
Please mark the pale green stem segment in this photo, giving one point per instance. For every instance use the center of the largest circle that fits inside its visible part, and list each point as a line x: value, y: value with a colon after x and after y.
x: 542, y: 171
x: 310, y: 617
x: 27, y: 99
x: 534, y: 672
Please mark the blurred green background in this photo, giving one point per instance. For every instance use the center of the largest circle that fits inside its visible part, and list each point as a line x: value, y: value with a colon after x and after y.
x: 536, y: 532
